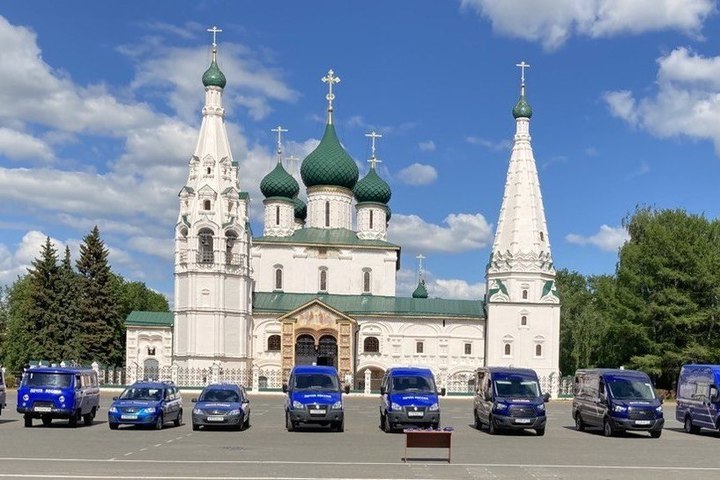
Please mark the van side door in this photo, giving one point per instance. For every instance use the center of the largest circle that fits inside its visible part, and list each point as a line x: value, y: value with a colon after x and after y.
x: 486, y: 399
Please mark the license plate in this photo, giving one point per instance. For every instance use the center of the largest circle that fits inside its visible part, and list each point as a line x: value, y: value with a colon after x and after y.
x: 43, y: 409
x: 523, y: 420
x: 317, y: 412
x: 643, y: 422
x: 128, y: 417
x: 415, y: 414
x: 215, y: 418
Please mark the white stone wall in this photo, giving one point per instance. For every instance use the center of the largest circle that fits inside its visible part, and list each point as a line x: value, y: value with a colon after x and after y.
x: 301, y: 269
x: 340, y: 200
x: 379, y: 223
x: 139, y: 342
x: 286, y: 224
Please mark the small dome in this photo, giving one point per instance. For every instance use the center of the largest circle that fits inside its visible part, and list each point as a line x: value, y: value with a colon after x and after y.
x: 279, y: 183
x: 300, y: 209
x: 420, y: 291
x: 388, y: 212
x: 522, y: 108
x: 372, y: 188
x: 213, y: 77
x: 329, y: 163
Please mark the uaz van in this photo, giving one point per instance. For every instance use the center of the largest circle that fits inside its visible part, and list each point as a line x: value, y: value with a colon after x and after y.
x: 314, y: 397
x: 698, y: 400
x: 616, y: 400
x: 509, y: 398
x: 48, y: 393
x: 408, y: 396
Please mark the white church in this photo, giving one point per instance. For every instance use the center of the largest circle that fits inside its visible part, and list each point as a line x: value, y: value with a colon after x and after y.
x: 319, y: 285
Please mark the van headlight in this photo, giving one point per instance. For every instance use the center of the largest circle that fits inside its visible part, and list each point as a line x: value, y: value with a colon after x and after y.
x: 619, y: 409
x: 61, y: 398
x: 500, y: 407
x: 541, y: 407
x: 337, y: 405
x: 26, y: 397
x: 297, y: 405
x: 434, y: 407
x: 659, y: 409
x: 395, y: 406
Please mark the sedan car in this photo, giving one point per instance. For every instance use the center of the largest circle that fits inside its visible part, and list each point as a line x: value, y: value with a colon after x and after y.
x: 221, y: 405
x: 146, y: 403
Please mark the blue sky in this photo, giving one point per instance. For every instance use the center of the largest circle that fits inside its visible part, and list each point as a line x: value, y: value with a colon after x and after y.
x: 100, y: 107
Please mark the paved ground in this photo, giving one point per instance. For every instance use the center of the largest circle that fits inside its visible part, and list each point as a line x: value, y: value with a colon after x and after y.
x: 267, y: 451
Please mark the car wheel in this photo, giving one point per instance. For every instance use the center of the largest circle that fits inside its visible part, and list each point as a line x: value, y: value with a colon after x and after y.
x: 387, y: 426
x: 540, y: 431
x: 196, y: 427
x: 74, y: 419
x: 492, y: 429
x: 288, y: 423
x: 28, y: 421
x: 340, y: 426
x: 46, y: 420
x: 655, y: 433
x: 178, y: 419
x: 246, y: 424
x: 478, y: 422
x: 579, y: 423
x: 608, y: 429
x: 159, y: 422
x: 689, y: 427
x: 88, y: 417
x: 113, y: 426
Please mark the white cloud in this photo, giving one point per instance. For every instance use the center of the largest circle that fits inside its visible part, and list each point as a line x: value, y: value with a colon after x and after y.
x: 686, y: 103
x: 14, y: 264
x: 609, y: 239
x: 553, y: 22
x: 21, y: 146
x: 463, y: 232
x: 502, y: 145
x: 428, y: 146
x: 418, y: 174
x: 156, y: 246
x: 439, y: 287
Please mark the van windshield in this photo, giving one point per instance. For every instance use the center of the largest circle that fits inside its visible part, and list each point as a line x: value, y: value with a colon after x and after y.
x: 218, y: 395
x: 57, y: 380
x: 315, y: 381
x: 625, y: 389
x: 517, y: 387
x: 142, y: 393
x: 413, y: 384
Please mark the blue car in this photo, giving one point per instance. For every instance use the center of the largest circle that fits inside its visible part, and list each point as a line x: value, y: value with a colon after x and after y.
x: 221, y: 405
x: 408, y: 396
x: 314, y: 397
x: 50, y: 393
x: 147, y: 403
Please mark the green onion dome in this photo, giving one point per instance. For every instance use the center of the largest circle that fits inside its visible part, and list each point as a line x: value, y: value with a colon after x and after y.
x: 213, y: 77
x: 279, y: 183
x: 329, y: 163
x: 300, y: 209
x: 420, y: 291
x: 372, y: 188
x: 522, y: 108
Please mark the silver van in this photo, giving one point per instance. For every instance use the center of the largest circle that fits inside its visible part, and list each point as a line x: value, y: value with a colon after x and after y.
x: 2, y: 390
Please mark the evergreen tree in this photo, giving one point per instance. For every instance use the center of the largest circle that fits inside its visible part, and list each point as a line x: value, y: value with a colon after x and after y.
x: 4, y: 318
x: 42, y: 314
x: 103, y: 330
x: 69, y: 315
x: 16, y: 350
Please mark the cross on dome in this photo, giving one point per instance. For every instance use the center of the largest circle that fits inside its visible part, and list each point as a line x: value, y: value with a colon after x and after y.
x: 420, y: 258
x: 214, y: 30
x: 373, y: 136
x: 330, y: 79
x: 279, y: 131
x: 292, y: 162
x: 522, y: 66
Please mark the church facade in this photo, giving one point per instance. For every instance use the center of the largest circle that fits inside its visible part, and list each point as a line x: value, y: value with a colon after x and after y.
x: 318, y: 286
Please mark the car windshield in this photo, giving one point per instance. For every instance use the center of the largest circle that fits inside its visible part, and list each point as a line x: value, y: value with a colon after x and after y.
x: 624, y: 389
x: 218, y: 395
x: 517, y: 387
x: 413, y: 384
x: 142, y: 393
x: 37, y: 379
x: 316, y: 381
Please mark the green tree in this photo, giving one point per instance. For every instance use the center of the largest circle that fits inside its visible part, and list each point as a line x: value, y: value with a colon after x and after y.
x: 137, y: 296
x: 18, y: 342
x: 67, y: 289
x: 103, y: 336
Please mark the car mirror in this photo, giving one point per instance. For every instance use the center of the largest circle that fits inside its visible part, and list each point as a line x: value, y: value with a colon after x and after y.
x: 382, y: 391
x: 115, y: 398
x: 194, y: 400
x: 347, y: 389
x: 284, y: 388
x: 245, y: 400
x: 603, y: 398
x: 546, y: 397
x: 443, y: 391
x: 488, y: 396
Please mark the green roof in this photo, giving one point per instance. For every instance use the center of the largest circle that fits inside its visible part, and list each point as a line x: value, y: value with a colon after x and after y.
x: 522, y: 108
x: 213, y: 76
x: 300, y: 209
x: 329, y: 163
x: 332, y: 237
x: 372, y: 188
x: 243, y: 195
x: 279, y: 183
x: 149, y: 319
x: 278, y: 302
x: 421, y: 290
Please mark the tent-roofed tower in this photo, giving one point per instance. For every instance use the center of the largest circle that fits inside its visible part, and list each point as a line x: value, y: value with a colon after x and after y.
x: 212, y: 245
x: 523, y: 308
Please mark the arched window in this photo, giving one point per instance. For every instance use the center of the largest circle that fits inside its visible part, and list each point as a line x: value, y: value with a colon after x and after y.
x: 538, y: 350
x: 205, y: 247
x: 209, y: 170
x: 523, y: 320
x: 371, y: 345
x: 323, y: 280
x: 206, y: 204
x: 524, y: 294
x: 230, y: 241
x: 273, y: 343
x: 508, y: 349
x: 278, y: 278
x: 327, y: 214
x: 277, y: 215
x: 371, y: 219
x: 366, y: 281
x: 542, y: 237
x: 419, y: 347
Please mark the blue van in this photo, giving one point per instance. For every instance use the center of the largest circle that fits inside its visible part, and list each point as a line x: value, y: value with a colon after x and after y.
x: 48, y: 393
x: 314, y: 396
x: 698, y: 399
x: 408, y: 396
x: 616, y: 401
x: 509, y: 398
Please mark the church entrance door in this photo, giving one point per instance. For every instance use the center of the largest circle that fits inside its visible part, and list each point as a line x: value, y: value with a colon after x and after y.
x: 305, y: 353
x: 327, y: 351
